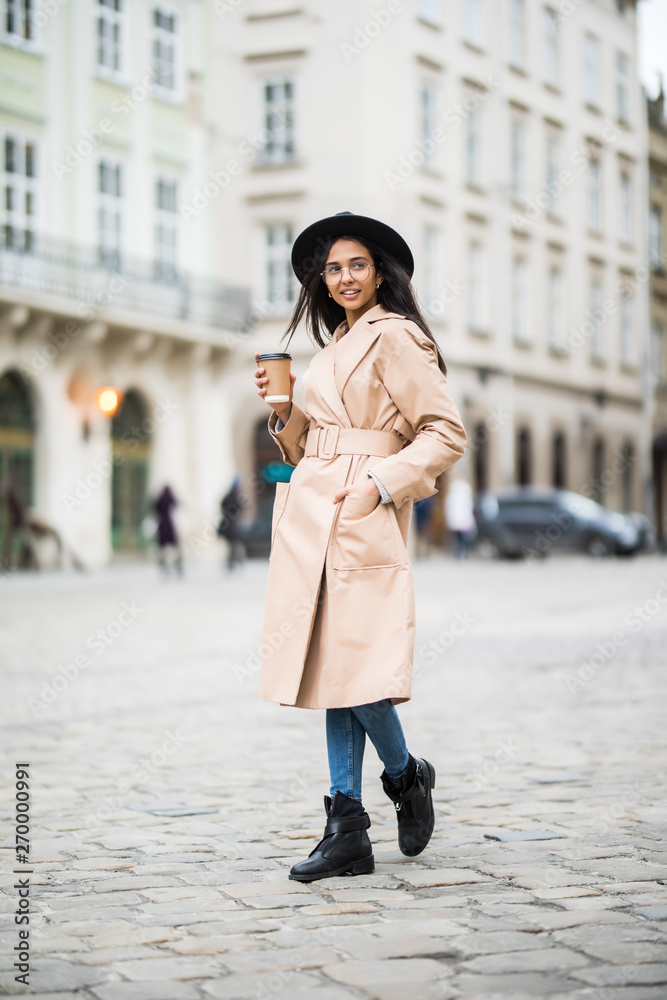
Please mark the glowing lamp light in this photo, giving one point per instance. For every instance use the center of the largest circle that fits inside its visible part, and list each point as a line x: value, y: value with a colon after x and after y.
x: 108, y: 400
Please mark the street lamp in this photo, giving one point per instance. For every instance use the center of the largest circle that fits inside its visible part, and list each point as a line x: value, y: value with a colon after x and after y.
x: 108, y: 400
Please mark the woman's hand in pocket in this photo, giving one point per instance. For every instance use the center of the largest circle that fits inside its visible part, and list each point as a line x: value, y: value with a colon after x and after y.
x: 366, y: 489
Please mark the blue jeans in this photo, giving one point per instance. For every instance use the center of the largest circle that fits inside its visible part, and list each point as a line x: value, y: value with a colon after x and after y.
x: 346, y: 740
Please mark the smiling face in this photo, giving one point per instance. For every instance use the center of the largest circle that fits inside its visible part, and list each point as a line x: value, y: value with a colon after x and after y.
x: 355, y: 290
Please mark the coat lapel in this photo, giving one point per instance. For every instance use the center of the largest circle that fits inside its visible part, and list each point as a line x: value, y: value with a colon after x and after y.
x: 353, y: 347
x: 322, y: 374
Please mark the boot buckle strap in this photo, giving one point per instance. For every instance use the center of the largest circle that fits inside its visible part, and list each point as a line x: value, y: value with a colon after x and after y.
x: 339, y: 824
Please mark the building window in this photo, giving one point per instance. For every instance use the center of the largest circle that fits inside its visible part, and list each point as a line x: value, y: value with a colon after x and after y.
x: 19, y: 25
x: 110, y: 36
x: 592, y: 71
x: 279, y: 279
x: 474, y: 148
x: 625, y: 209
x: 432, y: 297
x: 655, y: 238
x: 480, y: 448
x: 278, y: 121
x: 473, y: 26
x: 19, y: 196
x: 550, y: 47
x: 165, y: 49
x: 627, y: 461
x: 477, y: 299
x: 166, y: 229
x: 559, y: 462
x: 428, y: 111
x: 622, y: 87
x: 517, y: 32
x: 110, y: 214
x: 626, y: 329
x: 520, y: 305
x: 597, y: 318
x: 554, y: 187
x: 524, y: 458
x: 594, y: 197
x: 518, y: 161
x: 556, y: 310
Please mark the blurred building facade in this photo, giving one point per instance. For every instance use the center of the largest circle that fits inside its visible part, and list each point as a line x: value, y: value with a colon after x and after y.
x: 507, y: 141
x: 657, y: 239
x: 106, y: 115
x: 153, y: 151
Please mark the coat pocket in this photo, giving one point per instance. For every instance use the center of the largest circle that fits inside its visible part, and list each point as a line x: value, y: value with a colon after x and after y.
x: 366, y: 534
x: 279, y: 501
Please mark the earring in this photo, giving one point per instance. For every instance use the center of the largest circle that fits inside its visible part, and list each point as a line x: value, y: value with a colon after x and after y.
x: 378, y: 285
x: 330, y: 295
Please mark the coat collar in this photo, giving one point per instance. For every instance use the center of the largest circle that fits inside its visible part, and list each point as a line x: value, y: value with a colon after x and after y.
x: 346, y: 349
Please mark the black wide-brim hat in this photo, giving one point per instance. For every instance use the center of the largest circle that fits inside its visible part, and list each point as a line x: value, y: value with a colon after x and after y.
x: 309, y: 243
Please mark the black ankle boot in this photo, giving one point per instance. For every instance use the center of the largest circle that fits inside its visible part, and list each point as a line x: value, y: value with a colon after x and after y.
x: 411, y: 794
x: 345, y: 848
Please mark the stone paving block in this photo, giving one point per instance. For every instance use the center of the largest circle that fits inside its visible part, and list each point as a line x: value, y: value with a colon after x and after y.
x: 404, y: 971
x: 363, y: 895
x: 268, y: 902
x: 133, y: 882
x: 443, y: 876
x: 650, y: 974
x: 572, y: 918
x: 652, y: 912
x: 167, y: 969
x: 311, y: 955
x: 167, y: 895
x: 117, y: 937
x: 246, y: 890
x: 160, y: 990
x: 399, y: 945
x: 283, y: 983
x: 101, y: 864
x: 217, y: 944
x: 626, y: 952
x: 521, y: 986
x: 495, y: 942
x: 250, y: 921
x: 322, y: 909
x: 534, y: 960
x: 72, y: 901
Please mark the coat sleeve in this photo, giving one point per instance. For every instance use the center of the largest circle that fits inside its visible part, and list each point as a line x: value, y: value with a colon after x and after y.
x: 416, y: 385
x: 291, y: 437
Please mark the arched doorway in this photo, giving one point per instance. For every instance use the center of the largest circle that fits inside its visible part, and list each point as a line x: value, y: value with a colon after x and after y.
x: 17, y: 465
x: 559, y: 462
x: 524, y: 458
x: 130, y: 451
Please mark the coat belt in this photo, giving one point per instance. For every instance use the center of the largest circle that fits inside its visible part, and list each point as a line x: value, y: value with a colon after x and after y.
x: 326, y: 442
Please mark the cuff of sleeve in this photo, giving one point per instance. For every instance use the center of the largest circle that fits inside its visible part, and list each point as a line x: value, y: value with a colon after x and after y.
x: 385, y: 495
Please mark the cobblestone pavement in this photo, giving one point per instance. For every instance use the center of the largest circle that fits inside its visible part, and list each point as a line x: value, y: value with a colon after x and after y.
x: 540, y: 695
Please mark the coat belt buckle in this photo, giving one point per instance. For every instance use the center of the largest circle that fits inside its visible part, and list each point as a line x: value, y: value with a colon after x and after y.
x: 328, y: 441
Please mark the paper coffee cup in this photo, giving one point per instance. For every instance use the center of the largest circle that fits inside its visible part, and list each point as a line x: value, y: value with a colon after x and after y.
x: 277, y: 370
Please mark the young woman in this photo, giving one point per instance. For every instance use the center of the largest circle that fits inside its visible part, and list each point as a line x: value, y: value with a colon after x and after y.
x: 377, y: 428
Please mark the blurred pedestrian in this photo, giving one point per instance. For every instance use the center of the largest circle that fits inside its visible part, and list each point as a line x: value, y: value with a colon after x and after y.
x: 377, y: 427
x: 231, y: 506
x: 167, y: 536
x: 460, y: 517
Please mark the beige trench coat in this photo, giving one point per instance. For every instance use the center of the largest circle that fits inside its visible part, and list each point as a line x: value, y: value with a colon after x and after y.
x: 339, y: 620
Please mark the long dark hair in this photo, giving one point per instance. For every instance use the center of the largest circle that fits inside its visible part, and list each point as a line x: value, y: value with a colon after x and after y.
x: 323, y: 314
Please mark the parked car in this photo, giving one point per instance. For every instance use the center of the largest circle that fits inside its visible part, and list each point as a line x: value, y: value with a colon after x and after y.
x: 529, y: 522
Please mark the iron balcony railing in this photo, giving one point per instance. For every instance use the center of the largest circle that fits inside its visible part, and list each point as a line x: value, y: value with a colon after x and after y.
x: 98, y: 280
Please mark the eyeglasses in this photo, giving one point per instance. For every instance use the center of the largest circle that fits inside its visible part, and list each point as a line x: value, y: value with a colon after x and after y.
x: 332, y: 275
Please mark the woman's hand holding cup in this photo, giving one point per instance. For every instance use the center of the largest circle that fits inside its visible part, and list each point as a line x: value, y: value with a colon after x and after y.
x: 282, y: 402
